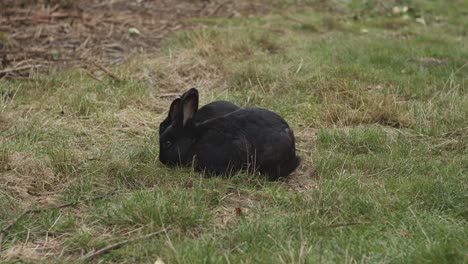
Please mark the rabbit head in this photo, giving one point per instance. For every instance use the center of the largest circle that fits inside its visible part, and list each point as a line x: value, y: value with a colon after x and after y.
x: 176, y: 139
x: 211, y: 110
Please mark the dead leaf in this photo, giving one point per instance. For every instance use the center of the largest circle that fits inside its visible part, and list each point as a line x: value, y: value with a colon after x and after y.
x: 134, y: 31
x: 405, y: 233
x: 421, y: 20
x: 159, y: 261
x: 396, y: 10
x: 238, y: 211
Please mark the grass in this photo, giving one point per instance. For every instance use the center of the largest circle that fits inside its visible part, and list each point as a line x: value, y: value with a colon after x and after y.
x: 378, y: 103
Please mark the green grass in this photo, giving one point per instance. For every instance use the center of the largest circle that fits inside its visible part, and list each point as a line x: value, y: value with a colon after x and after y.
x: 377, y: 101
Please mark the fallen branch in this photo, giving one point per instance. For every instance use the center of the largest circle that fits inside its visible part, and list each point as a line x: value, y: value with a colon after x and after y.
x: 56, y: 15
x: 119, y: 244
x: 26, y: 67
x: 108, y: 72
x: 5, y: 230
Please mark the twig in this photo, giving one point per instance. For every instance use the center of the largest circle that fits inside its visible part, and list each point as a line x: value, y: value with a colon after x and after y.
x: 346, y: 224
x: 17, y: 69
x: 56, y: 15
x: 91, y: 75
x: 39, y: 17
x: 216, y: 9
x: 119, y: 244
x: 166, y: 95
x: 5, y: 230
x: 8, y: 52
x: 303, y: 150
x: 108, y: 72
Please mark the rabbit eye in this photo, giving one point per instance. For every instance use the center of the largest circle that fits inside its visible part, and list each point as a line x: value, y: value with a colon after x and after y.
x: 167, y: 143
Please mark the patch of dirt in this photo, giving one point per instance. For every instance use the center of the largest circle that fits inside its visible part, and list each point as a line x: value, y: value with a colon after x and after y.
x: 234, y: 206
x: 304, y: 178
x: 305, y: 140
x: 44, y: 35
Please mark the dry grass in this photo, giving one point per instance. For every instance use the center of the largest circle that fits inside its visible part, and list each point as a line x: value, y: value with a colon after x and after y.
x: 27, y: 178
x: 36, y: 250
x: 345, y: 105
x: 175, y: 74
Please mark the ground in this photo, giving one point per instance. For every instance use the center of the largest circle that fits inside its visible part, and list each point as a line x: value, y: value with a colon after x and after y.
x: 375, y: 92
x: 40, y: 36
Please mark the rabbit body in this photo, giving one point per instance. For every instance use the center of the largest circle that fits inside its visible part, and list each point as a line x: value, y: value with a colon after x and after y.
x: 248, y: 139
x: 252, y: 139
x: 214, y: 109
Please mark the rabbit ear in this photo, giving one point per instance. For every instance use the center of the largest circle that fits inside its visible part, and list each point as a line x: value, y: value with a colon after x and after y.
x: 189, y: 105
x: 174, y: 109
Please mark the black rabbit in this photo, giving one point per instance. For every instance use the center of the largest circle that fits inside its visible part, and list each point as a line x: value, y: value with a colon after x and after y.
x: 211, y: 110
x: 246, y: 139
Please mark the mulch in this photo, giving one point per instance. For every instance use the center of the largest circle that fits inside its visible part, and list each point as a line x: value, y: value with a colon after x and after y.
x: 44, y: 35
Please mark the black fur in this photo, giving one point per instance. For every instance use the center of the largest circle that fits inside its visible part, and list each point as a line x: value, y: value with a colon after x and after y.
x: 246, y: 139
x: 211, y: 110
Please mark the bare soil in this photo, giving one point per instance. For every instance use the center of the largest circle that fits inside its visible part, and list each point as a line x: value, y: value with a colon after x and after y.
x: 44, y: 35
